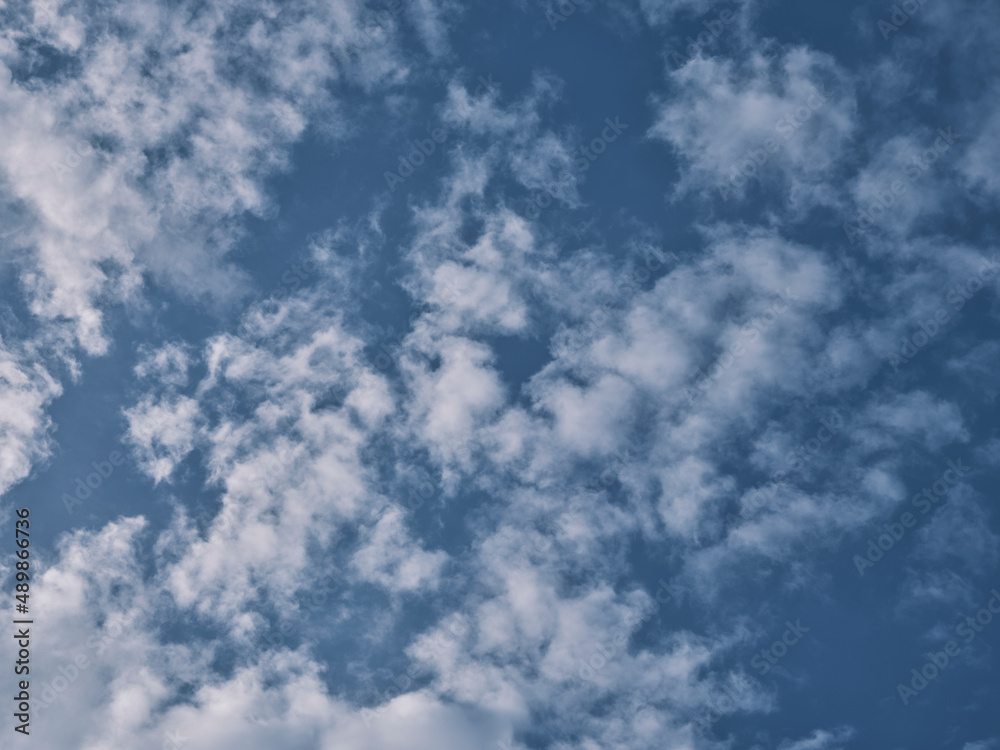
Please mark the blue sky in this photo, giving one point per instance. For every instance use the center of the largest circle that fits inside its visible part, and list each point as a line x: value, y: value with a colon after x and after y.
x: 650, y: 403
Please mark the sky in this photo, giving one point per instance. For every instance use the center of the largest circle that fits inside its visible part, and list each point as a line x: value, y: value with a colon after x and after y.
x: 512, y: 375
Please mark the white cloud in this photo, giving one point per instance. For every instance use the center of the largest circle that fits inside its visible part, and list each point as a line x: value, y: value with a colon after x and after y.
x: 982, y: 744
x: 643, y: 429
x: 163, y: 433
x: 390, y: 557
x: 26, y: 390
x: 781, y: 118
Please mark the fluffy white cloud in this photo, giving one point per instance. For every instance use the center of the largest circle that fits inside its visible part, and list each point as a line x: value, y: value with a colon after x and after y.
x: 163, y: 433
x: 26, y: 390
x: 784, y: 117
x: 720, y: 410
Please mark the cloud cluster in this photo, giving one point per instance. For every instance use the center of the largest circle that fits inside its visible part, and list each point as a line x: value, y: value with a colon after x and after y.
x: 730, y: 420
